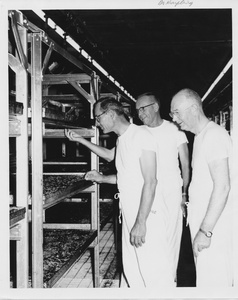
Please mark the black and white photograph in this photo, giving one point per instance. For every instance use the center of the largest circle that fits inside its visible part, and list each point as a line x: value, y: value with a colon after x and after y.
x: 119, y: 149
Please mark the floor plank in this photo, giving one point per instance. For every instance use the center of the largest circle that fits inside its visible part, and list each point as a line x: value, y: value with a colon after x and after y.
x: 80, y: 274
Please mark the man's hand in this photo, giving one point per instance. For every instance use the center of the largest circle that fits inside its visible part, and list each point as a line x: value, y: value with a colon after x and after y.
x: 94, y: 176
x: 73, y: 136
x: 200, y: 242
x: 137, y: 235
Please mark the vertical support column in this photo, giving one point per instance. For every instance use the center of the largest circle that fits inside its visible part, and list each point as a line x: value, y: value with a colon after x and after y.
x: 45, y: 91
x: 4, y: 158
x: 95, y: 197
x: 37, y: 159
x: 63, y: 152
x: 22, y: 173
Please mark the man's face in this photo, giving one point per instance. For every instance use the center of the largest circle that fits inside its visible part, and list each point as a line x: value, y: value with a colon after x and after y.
x: 180, y: 112
x: 145, y: 107
x: 102, y: 119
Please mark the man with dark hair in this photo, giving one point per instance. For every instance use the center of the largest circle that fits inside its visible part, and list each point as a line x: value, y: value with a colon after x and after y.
x: 210, y: 206
x: 144, y: 244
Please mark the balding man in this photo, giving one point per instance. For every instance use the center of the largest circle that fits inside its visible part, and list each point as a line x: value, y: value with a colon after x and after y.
x: 173, y: 168
x: 209, y: 212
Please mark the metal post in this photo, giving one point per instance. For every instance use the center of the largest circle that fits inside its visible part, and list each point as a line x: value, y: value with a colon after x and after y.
x: 37, y: 159
x: 95, y: 195
x: 22, y: 173
x: 4, y: 162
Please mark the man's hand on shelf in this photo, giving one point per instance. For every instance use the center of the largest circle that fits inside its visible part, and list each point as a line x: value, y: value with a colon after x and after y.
x: 94, y: 176
x: 73, y: 136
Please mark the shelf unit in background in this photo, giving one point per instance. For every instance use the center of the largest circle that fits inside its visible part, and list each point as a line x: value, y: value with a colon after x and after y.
x: 218, y: 105
x: 69, y: 184
x: 18, y: 141
x: 66, y: 185
x: 30, y: 129
x: 51, y: 89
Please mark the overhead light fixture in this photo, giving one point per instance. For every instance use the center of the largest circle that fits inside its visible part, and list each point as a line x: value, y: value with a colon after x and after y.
x: 77, y: 47
x: 223, y: 72
x: 99, y: 67
x: 72, y: 42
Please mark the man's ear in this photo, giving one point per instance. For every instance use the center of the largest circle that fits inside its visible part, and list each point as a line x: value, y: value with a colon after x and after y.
x: 156, y: 106
x: 194, y: 108
x: 111, y: 113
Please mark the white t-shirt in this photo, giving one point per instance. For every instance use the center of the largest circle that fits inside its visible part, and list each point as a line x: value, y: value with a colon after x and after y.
x: 214, y: 265
x: 128, y: 152
x: 212, y: 143
x: 168, y: 138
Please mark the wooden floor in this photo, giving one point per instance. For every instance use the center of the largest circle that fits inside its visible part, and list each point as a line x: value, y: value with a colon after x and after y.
x: 80, y: 274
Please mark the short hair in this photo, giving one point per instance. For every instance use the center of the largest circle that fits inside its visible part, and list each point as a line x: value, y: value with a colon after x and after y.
x: 191, y: 94
x: 110, y: 103
x: 151, y: 94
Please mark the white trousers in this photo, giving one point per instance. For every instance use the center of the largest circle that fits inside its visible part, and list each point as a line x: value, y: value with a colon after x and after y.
x: 149, y: 265
x: 214, y: 267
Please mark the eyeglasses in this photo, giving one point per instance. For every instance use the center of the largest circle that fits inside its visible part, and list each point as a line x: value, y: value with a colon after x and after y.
x: 142, y: 108
x: 99, y: 116
x: 178, y: 113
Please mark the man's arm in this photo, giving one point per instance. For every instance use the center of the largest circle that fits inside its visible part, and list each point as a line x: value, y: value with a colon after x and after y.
x: 185, y: 169
x: 148, y: 168
x: 107, y: 154
x: 221, y: 186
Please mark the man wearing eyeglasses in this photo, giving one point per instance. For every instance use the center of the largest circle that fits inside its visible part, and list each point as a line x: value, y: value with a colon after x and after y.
x: 173, y: 153
x: 144, y: 243
x: 209, y: 211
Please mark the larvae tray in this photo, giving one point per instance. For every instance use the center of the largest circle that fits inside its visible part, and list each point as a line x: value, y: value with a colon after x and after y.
x: 16, y: 214
x: 58, y: 187
x: 61, y: 248
x: 57, y: 114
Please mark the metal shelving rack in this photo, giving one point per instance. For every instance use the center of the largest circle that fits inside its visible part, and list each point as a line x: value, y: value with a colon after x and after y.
x: 38, y: 127
x: 31, y: 56
x: 33, y: 129
x: 18, y: 130
x: 75, y: 80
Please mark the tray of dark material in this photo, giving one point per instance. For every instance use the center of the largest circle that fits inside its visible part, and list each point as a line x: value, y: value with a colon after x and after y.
x: 16, y: 214
x: 60, y: 250
x: 58, y: 187
x: 63, y: 246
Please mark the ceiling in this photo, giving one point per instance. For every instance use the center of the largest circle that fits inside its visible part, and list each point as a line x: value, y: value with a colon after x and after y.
x: 161, y: 50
